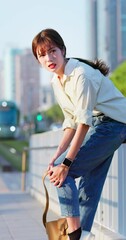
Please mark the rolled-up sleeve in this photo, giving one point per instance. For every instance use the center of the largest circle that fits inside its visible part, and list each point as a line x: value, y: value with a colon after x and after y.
x: 83, y: 116
x: 69, y: 121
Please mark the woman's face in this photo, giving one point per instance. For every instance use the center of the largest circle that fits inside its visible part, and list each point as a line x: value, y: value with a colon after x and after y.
x: 51, y: 58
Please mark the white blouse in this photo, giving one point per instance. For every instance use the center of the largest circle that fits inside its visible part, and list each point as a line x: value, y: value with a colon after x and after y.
x: 87, y: 92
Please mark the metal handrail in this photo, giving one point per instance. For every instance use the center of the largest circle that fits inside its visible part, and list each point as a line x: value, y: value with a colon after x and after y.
x: 24, y: 161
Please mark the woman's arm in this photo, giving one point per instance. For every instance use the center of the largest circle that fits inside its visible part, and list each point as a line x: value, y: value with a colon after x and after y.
x: 77, y: 141
x: 64, y: 144
x: 58, y: 174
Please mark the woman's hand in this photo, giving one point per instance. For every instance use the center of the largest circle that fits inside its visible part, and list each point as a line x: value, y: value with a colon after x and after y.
x: 50, y: 165
x: 58, y: 174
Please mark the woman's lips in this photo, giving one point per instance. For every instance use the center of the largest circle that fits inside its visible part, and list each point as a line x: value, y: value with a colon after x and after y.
x: 52, y: 65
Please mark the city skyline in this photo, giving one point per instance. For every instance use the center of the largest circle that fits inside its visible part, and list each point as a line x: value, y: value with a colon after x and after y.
x: 85, y: 36
x: 103, y: 40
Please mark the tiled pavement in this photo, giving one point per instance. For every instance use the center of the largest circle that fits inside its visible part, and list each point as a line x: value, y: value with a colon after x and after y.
x: 20, y: 214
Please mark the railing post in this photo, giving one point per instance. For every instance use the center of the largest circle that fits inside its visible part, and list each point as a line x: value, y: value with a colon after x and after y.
x: 23, y: 178
x: 24, y: 160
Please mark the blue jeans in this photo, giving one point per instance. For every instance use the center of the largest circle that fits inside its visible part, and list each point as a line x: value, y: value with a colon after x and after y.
x: 91, y: 166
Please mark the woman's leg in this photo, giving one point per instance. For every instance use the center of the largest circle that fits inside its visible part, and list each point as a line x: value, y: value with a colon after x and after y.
x: 69, y: 204
x: 92, y: 163
x: 100, y: 146
x: 90, y: 188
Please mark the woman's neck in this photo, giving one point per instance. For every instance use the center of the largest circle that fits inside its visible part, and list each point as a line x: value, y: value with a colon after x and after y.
x: 61, y: 74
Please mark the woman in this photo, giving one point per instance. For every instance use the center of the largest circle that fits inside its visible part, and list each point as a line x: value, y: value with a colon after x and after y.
x: 94, y: 127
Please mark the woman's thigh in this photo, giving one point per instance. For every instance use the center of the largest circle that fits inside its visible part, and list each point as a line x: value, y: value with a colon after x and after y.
x: 101, y: 142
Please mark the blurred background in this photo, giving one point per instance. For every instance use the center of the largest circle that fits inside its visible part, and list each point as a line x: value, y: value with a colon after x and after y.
x: 90, y: 28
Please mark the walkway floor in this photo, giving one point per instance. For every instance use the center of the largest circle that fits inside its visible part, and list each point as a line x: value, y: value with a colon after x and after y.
x: 20, y: 214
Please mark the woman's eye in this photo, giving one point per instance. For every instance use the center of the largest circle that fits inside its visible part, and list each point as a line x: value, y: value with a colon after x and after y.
x: 53, y: 51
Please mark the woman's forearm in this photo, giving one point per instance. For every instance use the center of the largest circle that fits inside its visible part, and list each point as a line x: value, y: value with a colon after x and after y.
x: 65, y: 142
x: 77, y: 141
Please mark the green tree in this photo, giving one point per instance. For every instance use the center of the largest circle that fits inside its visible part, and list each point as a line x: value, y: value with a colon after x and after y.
x: 119, y: 77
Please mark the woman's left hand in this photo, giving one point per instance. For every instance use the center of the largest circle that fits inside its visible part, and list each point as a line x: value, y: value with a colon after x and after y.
x: 58, y: 174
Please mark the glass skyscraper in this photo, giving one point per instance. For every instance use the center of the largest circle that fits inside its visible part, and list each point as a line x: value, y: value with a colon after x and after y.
x: 105, y: 30
x: 123, y: 28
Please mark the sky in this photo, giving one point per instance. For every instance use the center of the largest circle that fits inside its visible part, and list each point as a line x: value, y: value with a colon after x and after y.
x: 21, y: 20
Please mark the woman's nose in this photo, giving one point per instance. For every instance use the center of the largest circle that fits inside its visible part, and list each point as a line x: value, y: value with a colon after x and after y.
x: 48, y: 57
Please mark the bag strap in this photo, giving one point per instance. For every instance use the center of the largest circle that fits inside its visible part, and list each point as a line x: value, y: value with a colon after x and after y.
x: 47, y: 200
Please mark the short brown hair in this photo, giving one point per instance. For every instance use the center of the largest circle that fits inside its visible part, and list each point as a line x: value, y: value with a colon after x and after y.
x: 46, y: 37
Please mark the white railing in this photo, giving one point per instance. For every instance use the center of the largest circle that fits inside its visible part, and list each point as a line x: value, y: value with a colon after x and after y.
x: 110, y: 220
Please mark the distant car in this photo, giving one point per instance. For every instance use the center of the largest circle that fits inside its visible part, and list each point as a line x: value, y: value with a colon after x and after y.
x: 55, y: 126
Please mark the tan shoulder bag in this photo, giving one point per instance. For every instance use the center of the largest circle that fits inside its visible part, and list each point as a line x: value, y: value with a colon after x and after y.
x: 57, y: 229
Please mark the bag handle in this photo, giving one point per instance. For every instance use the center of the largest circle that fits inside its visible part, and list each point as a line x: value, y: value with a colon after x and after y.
x: 47, y: 200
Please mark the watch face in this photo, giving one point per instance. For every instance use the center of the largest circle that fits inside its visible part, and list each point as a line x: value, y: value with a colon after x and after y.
x: 67, y: 162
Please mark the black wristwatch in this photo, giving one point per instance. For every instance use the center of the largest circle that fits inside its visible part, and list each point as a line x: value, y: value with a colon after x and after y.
x: 67, y: 162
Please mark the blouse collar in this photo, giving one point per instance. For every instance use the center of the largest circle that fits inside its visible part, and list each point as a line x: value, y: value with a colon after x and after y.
x: 68, y: 71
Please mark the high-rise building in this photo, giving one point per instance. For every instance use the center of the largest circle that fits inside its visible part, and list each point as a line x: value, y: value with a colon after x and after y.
x: 105, y: 31
x: 90, y: 29
x: 1, y: 81
x: 123, y: 28
x: 22, y: 79
x: 28, y: 82
x: 111, y: 19
x: 9, y: 73
x: 47, y: 98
